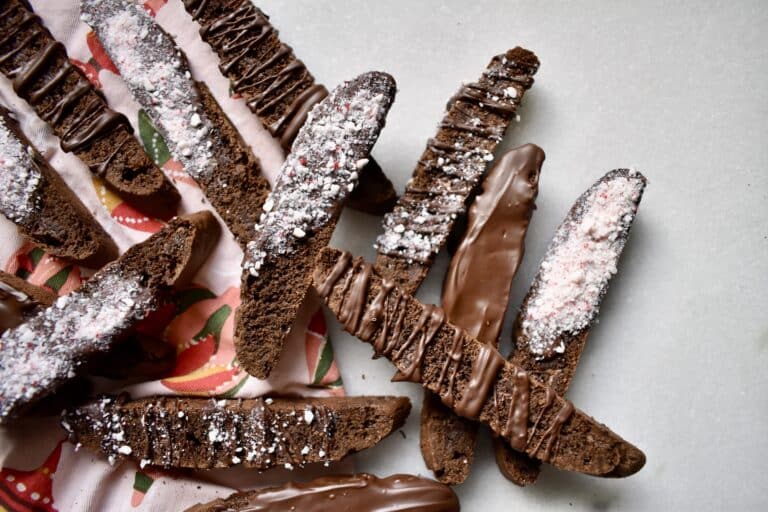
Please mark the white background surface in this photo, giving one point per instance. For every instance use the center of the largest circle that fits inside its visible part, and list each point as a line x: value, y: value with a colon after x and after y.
x: 679, y: 90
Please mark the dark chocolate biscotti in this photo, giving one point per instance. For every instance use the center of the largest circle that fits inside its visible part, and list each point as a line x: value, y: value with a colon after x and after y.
x: 476, y: 293
x: 300, y: 214
x: 451, y: 167
x: 56, y: 345
x: 471, y: 377
x: 19, y: 300
x: 563, y: 302
x: 197, y: 131
x: 175, y: 432
x: 61, y: 95
x: 275, y: 84
x: 360, y: 493
x: 44, y: 208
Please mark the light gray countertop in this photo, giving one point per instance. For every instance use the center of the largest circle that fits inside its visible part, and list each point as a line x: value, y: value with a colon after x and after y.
x: 678, y: 362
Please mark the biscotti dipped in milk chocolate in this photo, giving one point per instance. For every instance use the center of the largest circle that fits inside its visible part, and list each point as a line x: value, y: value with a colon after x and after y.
x: 476, y: 293
x: 563, y: 302
x: 61, y: 95
x: 360, y: 493
x: 471, y: 377
x: 43, y: 207
x: 275, y: 84
x: 198, y: 133
x: 301, y: 213
x: 56, y: 345
x: 451, y: 167
x: 175, y: 432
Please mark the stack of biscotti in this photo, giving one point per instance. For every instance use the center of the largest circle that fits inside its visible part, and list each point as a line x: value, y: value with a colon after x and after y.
x: 44, y: 208
x: 451, y: 167
x: 476, y: 293
x: 361, y: 492
x: 202, y: 433
x: 57, y: 344
x: 197, y: 131
x: 276, y: 85
x: 315, y: 181
x: 471, y: 377
x: 61, y: 95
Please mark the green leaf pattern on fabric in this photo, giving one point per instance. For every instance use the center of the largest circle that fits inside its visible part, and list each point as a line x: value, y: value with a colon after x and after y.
x: 154, y: 144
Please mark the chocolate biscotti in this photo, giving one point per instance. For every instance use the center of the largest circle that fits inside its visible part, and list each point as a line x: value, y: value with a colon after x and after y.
x: 360, y: 493
x: 196, y: 129
x: 563, y: 302
x: 476, y: 293
x: 451, y: 167
x: 276, y: 85
x: 469, y: 376
x: 175, y: 432
x: 61, y: 95
x: 44, y: 208
x: 300, y: 214
x: 19, y: 300
x: 56, y: 344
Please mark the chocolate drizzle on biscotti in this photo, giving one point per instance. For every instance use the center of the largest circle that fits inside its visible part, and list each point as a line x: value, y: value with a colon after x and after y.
x: 451, y: 167
x: 174, y: 432
x: 41, y: 73
x: 576, y: 442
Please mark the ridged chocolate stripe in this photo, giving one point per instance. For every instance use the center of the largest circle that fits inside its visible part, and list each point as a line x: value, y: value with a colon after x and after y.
x: 469, y: 376
x: 451, y: 167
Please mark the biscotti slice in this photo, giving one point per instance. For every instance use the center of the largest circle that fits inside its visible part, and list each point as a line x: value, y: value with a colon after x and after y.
x: 301, y: 213
x: 62, y: 96
x: 563, y: 302
x: 175, y: 432
x: 55, y: 345
x: 197, y: 131
x: 44, y: 208
x: 451, y: 167
x: 471, y: 377
x: 276, y: 85
x: 360, y: 493
x: 476, y: 293
x: 19, y: 300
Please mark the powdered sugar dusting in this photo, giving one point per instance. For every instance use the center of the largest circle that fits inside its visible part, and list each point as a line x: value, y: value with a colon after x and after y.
x: 158, y: 75
x: 323, y: 166
x: 49, y: 349
x: 582, y: 258
x: 19, y: 177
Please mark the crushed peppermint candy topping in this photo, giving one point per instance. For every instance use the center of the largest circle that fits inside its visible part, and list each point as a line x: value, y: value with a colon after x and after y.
x: 323, y: 166
x: 582, y: 258
x: 49, y: 349
x: 158, y: 76
x: 20, y: 178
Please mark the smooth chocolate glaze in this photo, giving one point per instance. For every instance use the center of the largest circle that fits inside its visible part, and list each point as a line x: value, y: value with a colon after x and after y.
x: 477, y: 283
x: 359, y: 493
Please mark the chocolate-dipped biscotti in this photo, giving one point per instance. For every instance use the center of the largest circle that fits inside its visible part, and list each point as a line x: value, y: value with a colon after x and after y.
x: 175, y: 432
x: 61, y: 95
x: 476, y: 293
x: 276, y: 85
x: 196, y: 129
x: 300, y: 214
x: 43, y: 207
x: 451, y: 167
x: 57, y: 343
x: 471, y: 377
x: 360, y: 493
x: 554, y: 319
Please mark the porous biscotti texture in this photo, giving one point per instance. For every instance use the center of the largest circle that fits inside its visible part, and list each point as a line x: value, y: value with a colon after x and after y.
x: 451, y: 167
x: 276, y: 85
x: 174, y: 432
x: 554, y: 320
x: 56, y: 345
x: 61, y: 95
x: 469, y: 376
x: 300, y: 214
x: 43, y: 207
